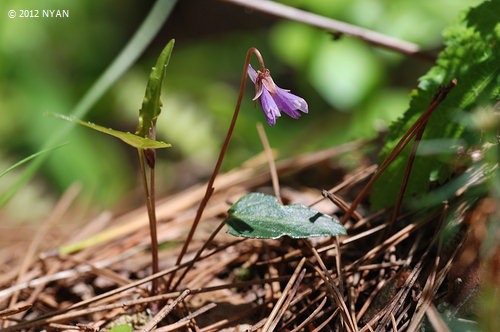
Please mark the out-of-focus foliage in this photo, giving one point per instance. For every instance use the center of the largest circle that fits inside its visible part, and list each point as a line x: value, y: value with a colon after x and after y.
x: 472, y: 56
x: 46, y: 66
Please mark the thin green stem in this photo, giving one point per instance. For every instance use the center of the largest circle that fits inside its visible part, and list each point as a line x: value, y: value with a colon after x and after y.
x: 210, y: 188
x: 149, y: 196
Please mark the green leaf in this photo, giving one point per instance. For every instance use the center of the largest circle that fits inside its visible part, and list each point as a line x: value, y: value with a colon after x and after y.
x: 257, y: 215
x: 151, y: 105
x: 121, y: 328
x: 131, y: 139
x: 472, y: 56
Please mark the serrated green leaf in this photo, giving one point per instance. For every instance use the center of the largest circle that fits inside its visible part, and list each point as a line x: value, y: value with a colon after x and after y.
x: 257, y: 215
x: 472, y: 56
x: 129, y: 138
x: 121, y: 328
x: 151, y: 105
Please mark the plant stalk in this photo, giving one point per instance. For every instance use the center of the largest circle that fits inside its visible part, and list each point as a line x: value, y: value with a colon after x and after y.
x: 149, y: 196
x: 210, y: 188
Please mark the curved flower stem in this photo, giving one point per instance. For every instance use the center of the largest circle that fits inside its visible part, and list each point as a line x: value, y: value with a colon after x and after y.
x: 149, y: 195
x: 210, y: 188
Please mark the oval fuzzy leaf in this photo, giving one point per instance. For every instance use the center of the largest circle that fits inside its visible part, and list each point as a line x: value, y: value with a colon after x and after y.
x: 257, y: 215
x: 151, y: 105
x: 129, y: 138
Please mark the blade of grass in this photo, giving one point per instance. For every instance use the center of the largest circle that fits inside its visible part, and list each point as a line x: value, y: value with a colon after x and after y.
x: 25, y: 160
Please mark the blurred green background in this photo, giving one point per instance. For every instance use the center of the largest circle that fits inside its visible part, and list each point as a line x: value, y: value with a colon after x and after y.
x: 353, y: 89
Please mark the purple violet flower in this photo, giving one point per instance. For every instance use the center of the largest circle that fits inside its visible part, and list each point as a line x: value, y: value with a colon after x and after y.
x: 274, y: 99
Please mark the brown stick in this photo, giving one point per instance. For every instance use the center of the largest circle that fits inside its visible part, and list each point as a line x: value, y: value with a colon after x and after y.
x: 290, y: 298
x: 198, y: 254
x: 325, y: 323
x: 349, y: 181
x: 340, y: 203
x: 332, y: 288
x: 274, y: 312
x: 83, y: 312
x: 19, y: 307
x: 369, y: 36
x: 186, y: 320
x: 311, y: 316
x: 164, y: 312
x: 40, y: 320
x: 59, y: 210
x: 270, y: 160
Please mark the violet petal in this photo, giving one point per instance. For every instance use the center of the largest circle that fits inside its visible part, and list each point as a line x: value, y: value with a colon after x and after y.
x: 252, y: 73
x: 290, y: 103
x: 269, y: 107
